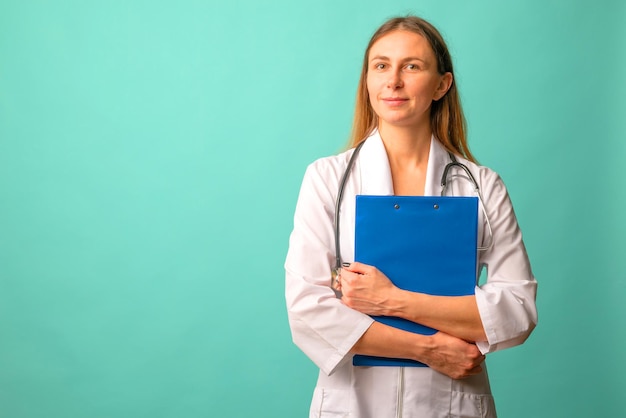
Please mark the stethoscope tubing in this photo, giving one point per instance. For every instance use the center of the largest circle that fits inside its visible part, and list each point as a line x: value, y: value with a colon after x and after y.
x: 444, y: 184
x: 342, y: 186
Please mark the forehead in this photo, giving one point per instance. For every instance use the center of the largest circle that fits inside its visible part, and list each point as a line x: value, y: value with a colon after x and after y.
x: 401, y: 43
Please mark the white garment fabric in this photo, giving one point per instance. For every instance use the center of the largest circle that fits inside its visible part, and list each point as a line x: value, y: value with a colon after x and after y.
x: 325, y: 329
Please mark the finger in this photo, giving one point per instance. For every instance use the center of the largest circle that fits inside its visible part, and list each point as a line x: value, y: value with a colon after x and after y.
x: 346, y: 275
x: 467, y: 373
x: 350, y: 277
x: 347, y: 301
x: 479, y: 359
x: 476, y: 370
x: 348, y: 266
x: 358, y: 268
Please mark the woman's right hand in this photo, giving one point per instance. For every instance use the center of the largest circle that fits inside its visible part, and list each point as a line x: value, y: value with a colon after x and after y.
x: 444, y: 353
x: 452, y: 356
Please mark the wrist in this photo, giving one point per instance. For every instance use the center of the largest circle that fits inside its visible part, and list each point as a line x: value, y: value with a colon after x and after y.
x: 398, y: 303
x: 423, y: 345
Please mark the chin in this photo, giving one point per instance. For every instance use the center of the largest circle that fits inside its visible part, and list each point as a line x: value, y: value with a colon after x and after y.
x: 400, y: 122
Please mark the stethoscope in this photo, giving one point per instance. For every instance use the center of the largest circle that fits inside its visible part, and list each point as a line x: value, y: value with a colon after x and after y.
x: 444, y: 184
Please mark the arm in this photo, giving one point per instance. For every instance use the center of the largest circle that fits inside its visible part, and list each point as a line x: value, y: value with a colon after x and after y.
x: 321, y: 326
x: 501, y: 314
x: 506, y: 302
x: 330, y: 332
x: 368, y: 290
x: 444, y: 353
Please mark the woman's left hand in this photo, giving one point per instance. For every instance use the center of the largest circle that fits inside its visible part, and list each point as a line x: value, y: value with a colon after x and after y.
x: 367, y: 290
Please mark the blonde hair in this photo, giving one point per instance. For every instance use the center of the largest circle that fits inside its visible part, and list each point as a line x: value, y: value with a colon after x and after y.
x: 446, y: 114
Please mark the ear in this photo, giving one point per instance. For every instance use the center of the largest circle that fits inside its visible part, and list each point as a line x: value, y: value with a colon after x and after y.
x: 445, y: 83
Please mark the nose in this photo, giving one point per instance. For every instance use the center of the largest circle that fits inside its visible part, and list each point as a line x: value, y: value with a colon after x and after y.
x: 395, y: 80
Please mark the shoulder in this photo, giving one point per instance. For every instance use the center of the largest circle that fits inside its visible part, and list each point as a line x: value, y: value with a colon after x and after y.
x: 484, y: 173
x: 328, y: 170
x: 320, y: 186
x: 488, y: 180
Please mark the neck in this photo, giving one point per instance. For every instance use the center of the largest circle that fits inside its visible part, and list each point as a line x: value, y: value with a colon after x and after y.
x: 406, y: 147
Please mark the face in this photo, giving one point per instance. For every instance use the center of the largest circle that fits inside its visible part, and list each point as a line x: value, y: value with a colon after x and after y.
x: 402, y: 79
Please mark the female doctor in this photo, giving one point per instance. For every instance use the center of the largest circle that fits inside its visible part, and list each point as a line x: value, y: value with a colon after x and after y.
x: 409, y: 116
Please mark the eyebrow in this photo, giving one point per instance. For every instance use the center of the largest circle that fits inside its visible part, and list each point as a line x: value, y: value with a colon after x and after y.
x: 384, y: 58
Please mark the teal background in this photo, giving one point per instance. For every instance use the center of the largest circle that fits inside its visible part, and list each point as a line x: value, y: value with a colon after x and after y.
x: 150, y: 158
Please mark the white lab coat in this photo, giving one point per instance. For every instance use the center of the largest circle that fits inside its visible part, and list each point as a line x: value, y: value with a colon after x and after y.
x: 325, y: 329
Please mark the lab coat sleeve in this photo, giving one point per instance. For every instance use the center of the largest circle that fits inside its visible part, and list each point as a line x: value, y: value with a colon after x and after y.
x: 321, y: 325
x: 506, y: 301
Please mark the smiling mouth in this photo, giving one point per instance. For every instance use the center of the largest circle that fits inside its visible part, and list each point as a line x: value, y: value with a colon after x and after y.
x: 394, y: 100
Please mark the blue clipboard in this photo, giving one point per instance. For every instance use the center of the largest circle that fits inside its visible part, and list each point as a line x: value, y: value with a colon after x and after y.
x: 424, y: 244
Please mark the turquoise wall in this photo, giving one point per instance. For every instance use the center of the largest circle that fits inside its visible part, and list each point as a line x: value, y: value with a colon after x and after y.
x: 150, y: 158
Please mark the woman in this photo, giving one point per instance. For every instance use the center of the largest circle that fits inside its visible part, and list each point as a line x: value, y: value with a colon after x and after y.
x: 409, y: 115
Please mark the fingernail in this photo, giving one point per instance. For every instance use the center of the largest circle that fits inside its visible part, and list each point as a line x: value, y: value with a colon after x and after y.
x: 345, y: 264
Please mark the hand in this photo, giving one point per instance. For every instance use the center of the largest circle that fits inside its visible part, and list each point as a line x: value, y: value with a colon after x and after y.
x: 453, y: 357
x: 366, y: 289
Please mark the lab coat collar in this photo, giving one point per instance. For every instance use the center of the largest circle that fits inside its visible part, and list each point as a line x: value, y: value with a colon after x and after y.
x: 376, y: 173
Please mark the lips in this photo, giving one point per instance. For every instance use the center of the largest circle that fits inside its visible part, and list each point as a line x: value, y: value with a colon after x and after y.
x: 394, y: 101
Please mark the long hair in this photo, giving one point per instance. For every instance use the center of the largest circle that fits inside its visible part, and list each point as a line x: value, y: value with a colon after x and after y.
x: 446, y: 114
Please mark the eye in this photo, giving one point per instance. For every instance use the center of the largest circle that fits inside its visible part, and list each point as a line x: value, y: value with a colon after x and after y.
x: 380, y: 66
x: 412, y: 67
